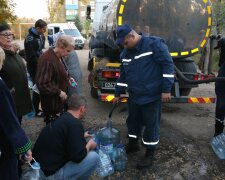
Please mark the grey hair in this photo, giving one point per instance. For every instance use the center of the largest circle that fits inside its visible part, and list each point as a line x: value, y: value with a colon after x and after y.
x: 2, y: 57
x: 132, y: 33
x: 65, y: 41
x: 76, y: 101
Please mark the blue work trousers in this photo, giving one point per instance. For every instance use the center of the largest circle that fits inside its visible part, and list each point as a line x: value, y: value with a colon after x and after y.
x: 220, y: 97
x: 220, y: 106
x: 144, y: 122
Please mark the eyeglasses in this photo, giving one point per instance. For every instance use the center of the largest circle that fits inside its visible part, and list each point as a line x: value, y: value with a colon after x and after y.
x: 7, y: 35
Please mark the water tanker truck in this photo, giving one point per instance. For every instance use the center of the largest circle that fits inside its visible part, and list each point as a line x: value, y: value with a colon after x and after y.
x: 185, y: 26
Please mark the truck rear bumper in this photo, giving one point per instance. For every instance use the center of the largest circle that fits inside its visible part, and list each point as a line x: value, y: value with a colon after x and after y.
x: 193, y: 100
x: 106, y: 97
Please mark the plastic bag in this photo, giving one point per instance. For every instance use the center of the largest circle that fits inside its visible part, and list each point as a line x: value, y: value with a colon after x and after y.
x: 33, y: 172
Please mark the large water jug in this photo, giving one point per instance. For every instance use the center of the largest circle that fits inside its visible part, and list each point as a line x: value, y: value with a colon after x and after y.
x: 218, y: 145
x: 109, y: 138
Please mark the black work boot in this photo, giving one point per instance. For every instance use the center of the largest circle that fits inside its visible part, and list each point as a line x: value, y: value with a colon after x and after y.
x: 218, y: 129
x: 132, y: 146
x: 147, y: 160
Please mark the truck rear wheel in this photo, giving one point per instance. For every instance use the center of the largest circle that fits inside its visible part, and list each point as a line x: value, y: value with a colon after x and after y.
x: 187, y: 66
x: 185, y: 91
x: 94, y: 92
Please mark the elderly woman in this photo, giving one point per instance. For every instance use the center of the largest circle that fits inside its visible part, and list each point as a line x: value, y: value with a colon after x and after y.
x: 52, y: 77
x: 14, y: 73
x: 13, y: 140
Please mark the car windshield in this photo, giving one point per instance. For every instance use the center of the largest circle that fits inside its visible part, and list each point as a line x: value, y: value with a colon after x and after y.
x: 72, y: 32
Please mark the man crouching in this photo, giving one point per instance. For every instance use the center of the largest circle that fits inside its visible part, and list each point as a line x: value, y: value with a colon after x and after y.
x: 61, y: 148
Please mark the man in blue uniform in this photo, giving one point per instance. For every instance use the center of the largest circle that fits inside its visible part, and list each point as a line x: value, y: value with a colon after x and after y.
x: 220, y: 90
x: 147, y: 71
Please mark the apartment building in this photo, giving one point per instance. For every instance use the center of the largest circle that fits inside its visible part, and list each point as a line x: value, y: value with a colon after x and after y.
x: 76, y: 7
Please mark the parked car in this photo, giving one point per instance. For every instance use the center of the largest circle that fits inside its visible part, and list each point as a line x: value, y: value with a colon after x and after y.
x: 56, y: 29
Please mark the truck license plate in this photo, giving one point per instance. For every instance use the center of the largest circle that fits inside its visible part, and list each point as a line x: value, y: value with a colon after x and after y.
x: 108, y: 85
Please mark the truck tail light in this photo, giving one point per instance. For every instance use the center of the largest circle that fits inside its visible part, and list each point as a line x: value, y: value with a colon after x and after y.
x: 203, y: 76
x: 110, y: 74
x: 195, y: 77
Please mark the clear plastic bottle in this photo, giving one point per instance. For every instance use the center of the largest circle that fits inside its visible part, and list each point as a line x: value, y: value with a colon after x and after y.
x: 120, y: 158
x: 105, y: 167
x: 218, y: 145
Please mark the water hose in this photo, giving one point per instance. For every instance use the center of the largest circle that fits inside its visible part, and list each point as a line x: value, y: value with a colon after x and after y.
x: 189, y: 81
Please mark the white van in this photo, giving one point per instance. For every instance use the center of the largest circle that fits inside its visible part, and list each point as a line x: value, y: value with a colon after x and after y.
x: 70, y: 29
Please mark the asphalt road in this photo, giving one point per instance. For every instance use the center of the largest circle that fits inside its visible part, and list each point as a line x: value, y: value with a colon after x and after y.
x: 186, y: 130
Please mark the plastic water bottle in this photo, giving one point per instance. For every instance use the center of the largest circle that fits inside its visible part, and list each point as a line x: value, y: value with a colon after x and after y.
x: 30, y: 83
x: 120, y: 160
x: 218, y: 145
x: 109, y: 138
x: 105, y: 167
